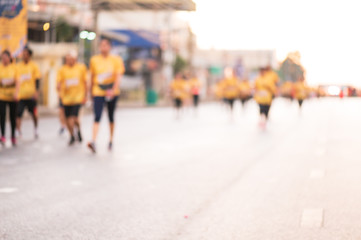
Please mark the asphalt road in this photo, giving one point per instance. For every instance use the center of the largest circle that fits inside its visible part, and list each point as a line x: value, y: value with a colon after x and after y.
x: 201, y: 177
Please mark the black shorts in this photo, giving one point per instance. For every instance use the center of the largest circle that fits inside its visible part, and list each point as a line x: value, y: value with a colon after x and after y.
x: 230, y: 101
x: 195, y: 100
x: 300, y: 101
x: 72, y: 110
x: 264, y: 109
x: 178, y: 102
x: 29, y: 104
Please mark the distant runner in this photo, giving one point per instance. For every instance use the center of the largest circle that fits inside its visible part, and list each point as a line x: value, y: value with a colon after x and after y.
x: 106, y: 72
x: 195, y: 87
x: 265, y: 90
x: 72, y: 87
x: 9, y: 92
x: 179, y: 92
x: 29, y: 81
x: 300, y: 91
x: 230, y: 88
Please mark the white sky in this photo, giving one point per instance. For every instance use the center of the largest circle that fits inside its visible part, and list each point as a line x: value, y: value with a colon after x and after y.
x: 326, y: 32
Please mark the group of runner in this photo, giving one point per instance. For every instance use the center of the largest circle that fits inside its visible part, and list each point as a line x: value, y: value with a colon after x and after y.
x: 19, y: 90
x: 231, y: 88
x: 183, y: 88
x: 264, y: 89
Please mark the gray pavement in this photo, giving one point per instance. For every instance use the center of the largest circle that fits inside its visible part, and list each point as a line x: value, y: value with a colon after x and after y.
x: 200, y: 177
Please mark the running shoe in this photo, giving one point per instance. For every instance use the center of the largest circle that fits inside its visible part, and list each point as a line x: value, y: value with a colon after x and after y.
x: 13, y: 141
x: 110, y: 146
x: 2, y: 141
x: 80, y: 138
x: 61, y: 131
x: 72, y: 140
x: 91, y: 146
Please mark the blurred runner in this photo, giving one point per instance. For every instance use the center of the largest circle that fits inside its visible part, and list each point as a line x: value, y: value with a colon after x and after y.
x: 230, y: 87
x: 29, y: 81
x: 265, y: 89
x: 106, y: 72
x: 72, y: 88
x: 272, y: 75
x: 179, y: 92
x: 195, y: 87
x: 245, y: 91
x: 9, y: 92
x: 300, y: 91
x: 287, y: 90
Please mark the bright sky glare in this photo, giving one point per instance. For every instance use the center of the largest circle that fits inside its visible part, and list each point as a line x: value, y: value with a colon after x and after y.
x: 326, y: 32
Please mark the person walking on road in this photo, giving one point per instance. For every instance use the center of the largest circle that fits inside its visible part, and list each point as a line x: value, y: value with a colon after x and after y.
x: 179, y: 92
x: 194, y: 87
x: 29, y: 84
x: 72, y: 86
x: 300, y: 91
x: 230, y: 88
x: 106, y: 72
x: 9, y: 92
x: 265, y: 89
x: 245, y: 91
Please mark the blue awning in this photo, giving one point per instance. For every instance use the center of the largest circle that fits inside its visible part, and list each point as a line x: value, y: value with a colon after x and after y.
x: 136, y: 39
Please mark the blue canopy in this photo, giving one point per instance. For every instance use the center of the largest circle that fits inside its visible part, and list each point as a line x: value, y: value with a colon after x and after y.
x: 136, y: 39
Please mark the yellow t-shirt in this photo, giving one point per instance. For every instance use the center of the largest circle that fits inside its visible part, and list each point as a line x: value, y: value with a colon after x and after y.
x: 300, y: 90
x: 244, y: 89
x: 265, y: 88
x: 273, y: 76
x: 179, y: 89
x: 8, y: 81
x: 28, y: 73
x: 195, y: 86
x: 230, y: 87
x: 72, y: 82
x: 105, y: 71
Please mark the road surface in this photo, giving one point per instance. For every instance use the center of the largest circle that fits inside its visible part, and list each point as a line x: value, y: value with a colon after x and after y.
x: 200, y: 177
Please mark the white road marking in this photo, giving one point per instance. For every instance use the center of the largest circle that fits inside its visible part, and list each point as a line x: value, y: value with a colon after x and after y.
x: 317, y: 173
x: 312, y: 218
x: 8, y: 190
x: 321, y: 152
x: 76, y: 183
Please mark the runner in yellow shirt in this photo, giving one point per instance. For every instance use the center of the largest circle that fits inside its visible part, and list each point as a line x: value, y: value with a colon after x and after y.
x: 72, y: 87
x: 300, y: 89
x: 106, y: 72
x: 245, y: 91
x: 179, y: 92
x: 29, y: 81
x: 272, y: 75
x: 9, y: 93
x: 265, y: 89
x: 230, y: 88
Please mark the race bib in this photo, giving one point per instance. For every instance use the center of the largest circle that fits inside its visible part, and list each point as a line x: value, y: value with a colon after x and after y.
x: 71, y: 82
x: 102, y: 77
x: 25, y: 77
x: 262, y: 93
x: 7, y: 81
